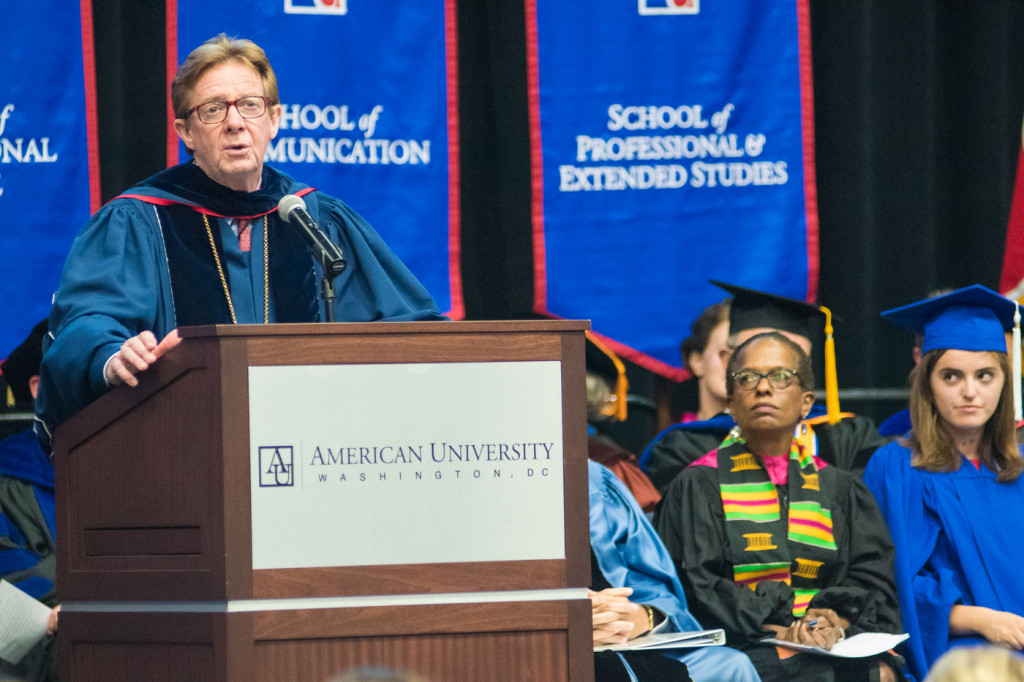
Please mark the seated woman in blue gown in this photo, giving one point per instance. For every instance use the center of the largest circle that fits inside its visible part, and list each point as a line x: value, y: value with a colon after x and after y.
x: 951, y: 491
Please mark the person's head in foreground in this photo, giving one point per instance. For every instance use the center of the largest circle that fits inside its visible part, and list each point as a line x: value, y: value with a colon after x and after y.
x: 978, y: 664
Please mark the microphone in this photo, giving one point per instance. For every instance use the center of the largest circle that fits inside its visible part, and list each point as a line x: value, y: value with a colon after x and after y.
x: 292, y: 209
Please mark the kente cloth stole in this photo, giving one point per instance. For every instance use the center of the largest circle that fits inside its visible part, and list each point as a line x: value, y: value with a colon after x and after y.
x: 762, y: 547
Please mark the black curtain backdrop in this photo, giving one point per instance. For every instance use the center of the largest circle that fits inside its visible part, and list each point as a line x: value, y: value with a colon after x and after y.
x: 918, y: 110
x: 918, y: 122
x: 131, y: 89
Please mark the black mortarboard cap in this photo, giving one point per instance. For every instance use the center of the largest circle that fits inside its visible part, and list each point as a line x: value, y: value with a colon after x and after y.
x: 23, y: 363
x: 752, y: 309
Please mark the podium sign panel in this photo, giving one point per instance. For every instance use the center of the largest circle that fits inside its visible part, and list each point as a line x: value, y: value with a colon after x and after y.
x: 340, y: 452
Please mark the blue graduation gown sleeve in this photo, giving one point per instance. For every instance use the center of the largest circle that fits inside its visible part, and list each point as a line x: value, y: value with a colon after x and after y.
x: 898, y: 493
x: 630, y: 553
x: 896, y: 425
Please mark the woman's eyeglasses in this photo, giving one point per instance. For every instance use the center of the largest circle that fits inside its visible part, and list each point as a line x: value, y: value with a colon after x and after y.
x: 779, y: 379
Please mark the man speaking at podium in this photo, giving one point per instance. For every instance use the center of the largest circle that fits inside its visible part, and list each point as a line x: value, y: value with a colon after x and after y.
x: 202, y: 243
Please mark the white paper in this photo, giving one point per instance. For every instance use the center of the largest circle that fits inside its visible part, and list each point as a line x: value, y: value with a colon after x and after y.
x: 669, y: 640
x: 859, y: 646
x: 23, y: 622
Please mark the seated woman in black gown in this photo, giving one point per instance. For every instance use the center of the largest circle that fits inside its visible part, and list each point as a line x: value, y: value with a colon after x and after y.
x: 769, y: 541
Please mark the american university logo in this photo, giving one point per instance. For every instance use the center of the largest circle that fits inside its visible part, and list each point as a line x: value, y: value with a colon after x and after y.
x: 669, y: 6
x: 316, y: 6
x: 277, y: 466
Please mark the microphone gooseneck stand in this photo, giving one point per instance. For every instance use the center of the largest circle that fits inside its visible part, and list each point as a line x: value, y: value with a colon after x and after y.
x: 332, y: 264
x: 292, y: 209
x: 327, y: 292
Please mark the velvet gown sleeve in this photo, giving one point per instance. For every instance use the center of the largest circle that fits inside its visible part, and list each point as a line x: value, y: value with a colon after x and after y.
x: 114, y: 285
x: 630, y: 553
x: 376, y: 285
x: 691, y: 522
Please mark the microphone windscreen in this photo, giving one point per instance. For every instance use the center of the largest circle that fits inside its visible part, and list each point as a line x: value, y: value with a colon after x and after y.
x: 289, y: 203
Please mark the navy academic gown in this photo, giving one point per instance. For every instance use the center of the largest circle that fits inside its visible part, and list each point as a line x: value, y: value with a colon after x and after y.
x: 144, y: 262
x: 957, y: 542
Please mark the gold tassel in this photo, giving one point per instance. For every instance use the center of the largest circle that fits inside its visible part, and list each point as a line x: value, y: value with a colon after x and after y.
x: 831, y: 377
x: 618, y: 410
x: 10, y: 397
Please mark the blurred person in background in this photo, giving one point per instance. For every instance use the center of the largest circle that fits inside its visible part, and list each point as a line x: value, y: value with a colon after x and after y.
x: 28, y: 558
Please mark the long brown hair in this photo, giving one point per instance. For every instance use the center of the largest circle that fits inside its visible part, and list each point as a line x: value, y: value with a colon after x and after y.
x: 934, y: 449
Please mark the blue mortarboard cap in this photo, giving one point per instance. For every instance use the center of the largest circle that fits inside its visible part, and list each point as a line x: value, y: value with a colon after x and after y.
x: 974, y: 319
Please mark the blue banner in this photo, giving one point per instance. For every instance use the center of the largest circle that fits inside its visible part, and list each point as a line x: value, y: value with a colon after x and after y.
x: 366, y: 90
x: 45, y: 179
x: 673, y: 144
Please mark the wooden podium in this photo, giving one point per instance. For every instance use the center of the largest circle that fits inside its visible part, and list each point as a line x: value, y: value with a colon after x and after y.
x: 155, y: 530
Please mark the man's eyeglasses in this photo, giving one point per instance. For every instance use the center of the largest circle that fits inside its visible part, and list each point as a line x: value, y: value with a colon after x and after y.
x: 779, y: 379
x: 216, y: 111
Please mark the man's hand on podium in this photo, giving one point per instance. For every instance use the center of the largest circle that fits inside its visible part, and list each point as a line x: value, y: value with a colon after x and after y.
x: 136, y: 355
